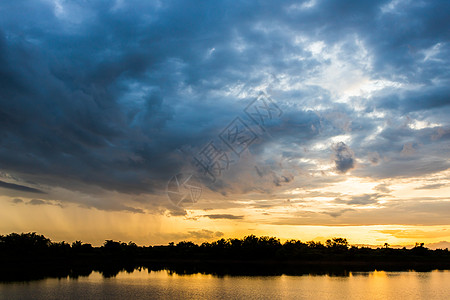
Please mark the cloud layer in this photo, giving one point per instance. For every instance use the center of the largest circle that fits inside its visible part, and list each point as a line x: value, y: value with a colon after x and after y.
x: 109, y: 100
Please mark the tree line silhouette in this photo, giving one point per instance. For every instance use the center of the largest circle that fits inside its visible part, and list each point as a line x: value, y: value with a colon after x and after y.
x: 31, y: 252
x: 250, y: 247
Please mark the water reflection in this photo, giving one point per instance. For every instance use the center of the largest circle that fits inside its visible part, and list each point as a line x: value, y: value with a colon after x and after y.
x: 148, y: 283
x: 185, y: 269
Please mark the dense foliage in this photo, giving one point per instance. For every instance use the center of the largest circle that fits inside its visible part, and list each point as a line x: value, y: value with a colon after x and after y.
x: 33, y: 246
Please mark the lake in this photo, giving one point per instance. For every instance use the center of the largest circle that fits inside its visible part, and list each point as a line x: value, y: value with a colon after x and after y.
x: 164, y: 284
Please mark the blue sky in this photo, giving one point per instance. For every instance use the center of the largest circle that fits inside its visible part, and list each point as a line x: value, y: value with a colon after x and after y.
x: 101, y: 103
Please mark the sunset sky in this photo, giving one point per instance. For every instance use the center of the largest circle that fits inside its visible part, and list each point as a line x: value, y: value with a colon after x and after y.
x: 102, y: 103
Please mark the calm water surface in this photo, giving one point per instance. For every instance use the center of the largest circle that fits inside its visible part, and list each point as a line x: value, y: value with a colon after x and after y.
x: 166, y: 285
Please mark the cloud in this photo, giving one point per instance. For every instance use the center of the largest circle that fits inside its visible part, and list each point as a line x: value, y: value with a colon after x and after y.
x: 344, y: 157
x: 34, y: 202
x: 383, y: 188
x: 415, y: 212
x: 366, y: 199
x: 116, y: 207
x: 177, y: 212
x: 103, y: 99
x: 336, y: 213
x: 408, y: 149
x: 205, y: 234
x: 431, y: 186
x: 374, y: 157
x: 439, y: 245
x: 17, y: 200
x: 416, y: 234
x: 194, y: 235
x: 224, y: 216
x: 37, y: 202
x: 21, y: 188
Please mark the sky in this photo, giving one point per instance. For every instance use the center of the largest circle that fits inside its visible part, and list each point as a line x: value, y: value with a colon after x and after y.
x: 296, y: 119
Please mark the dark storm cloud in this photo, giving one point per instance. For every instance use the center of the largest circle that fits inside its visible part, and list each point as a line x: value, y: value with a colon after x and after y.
x: 20, y: 188
x: 396, y: 32
x: 70, y: 106
x: 426, y: 98
x: 405, y: 153
x: 120, y: 95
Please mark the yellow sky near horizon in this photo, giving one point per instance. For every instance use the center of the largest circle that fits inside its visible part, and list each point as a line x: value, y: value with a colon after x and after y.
x: 305, y: 219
